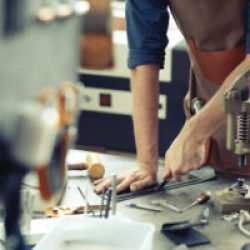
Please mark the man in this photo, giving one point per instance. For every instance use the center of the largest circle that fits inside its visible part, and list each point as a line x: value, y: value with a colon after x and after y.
x: 216, y: 36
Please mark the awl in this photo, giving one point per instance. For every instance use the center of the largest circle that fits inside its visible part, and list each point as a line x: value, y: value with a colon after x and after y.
x: 144, y: 207
x: 203, y: 198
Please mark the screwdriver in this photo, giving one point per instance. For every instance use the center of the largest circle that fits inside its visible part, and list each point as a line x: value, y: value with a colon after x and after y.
x: 203, y: 198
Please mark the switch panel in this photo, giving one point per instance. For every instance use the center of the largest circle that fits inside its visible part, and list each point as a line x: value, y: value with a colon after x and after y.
x: 113, y: 101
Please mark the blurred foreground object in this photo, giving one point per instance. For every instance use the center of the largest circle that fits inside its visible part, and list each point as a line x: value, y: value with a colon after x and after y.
x: 92, y: 163
x: 96, y: 39
x: 39, y: 44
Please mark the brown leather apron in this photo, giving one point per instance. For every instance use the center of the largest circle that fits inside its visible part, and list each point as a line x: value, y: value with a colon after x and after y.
x: 215, y: 32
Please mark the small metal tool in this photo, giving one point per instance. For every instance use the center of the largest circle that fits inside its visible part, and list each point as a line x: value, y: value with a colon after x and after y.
x: 114, y: 197
x: 203, y: 198
x: 144, y: 207
x: 196, y: 176
x: 87, y: 203
x: 182, y: 225
x: 107, y: 207
x: 102, y: 202
x: 165, y: 204
x: 204, y: 216
x: 186, y: 224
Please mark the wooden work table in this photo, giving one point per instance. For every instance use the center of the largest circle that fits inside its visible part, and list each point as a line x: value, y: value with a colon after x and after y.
x: 223, y: 234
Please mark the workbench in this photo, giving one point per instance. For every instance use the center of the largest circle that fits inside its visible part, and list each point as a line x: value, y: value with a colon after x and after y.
x: 223, y: 234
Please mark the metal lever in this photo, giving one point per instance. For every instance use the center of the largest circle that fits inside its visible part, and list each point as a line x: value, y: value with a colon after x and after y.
x: 165, y: 204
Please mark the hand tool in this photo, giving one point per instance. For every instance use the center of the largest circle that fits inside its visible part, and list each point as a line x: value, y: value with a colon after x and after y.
x: 95, y: 166
x: 87, y: 203
x: 102, y: 201
x: 114, y: 197
x: 144, y: 207
x: 166, y: 204
x: 204, y: 216
x: 107, y: 207
x: 92, y: 163
x: 196, y: 176
x: 183, y: 225
x: 203, y: 198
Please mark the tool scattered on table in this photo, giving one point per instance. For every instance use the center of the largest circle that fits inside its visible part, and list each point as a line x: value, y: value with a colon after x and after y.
x: 185, y: 234
x: 203, y: 198
x: 102, y: 202
x: 233, y: 198
x: 92, y: 163
x: 114, y: 194
x: 88, y: 206
x: 109, y: 194
x: 110, y: 198
x: 167, y: 205
x: 204, y: 216
x: 186, y: 224
x: 196, y: 176
x: 144, y: 207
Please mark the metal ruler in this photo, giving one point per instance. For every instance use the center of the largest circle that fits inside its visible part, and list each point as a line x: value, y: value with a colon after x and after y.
x: 196, y: 176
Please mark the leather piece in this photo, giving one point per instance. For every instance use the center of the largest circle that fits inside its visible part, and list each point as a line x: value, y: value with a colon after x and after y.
x: 189, y: 237
x: 217, y: 65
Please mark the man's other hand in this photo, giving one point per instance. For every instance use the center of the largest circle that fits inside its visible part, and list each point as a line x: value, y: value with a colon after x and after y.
x: 134, y: 180
x: 187, y: 152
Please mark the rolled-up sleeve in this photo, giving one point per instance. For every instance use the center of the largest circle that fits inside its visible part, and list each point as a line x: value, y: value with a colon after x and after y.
x: 147, y: 23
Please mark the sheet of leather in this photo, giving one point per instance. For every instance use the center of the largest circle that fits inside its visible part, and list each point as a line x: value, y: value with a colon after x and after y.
x: 189, y: 237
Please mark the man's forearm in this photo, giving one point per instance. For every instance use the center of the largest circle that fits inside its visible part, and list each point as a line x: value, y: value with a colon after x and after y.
x: 212, y: 117
x: 145, y: 90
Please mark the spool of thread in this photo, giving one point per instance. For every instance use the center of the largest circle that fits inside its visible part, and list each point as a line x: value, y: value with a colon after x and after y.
x: 95, y: 166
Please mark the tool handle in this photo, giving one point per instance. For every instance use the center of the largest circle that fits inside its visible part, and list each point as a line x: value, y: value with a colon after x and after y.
x: 77, y: 166
x: 95, y: 166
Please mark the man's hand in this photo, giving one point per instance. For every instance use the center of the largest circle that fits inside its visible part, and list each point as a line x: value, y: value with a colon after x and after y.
x: 187, y: 152
x: 135, y: 179
x: 145, y: 92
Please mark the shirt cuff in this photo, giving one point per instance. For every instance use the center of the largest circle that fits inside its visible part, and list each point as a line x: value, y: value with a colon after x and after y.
x: 137, y: 57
